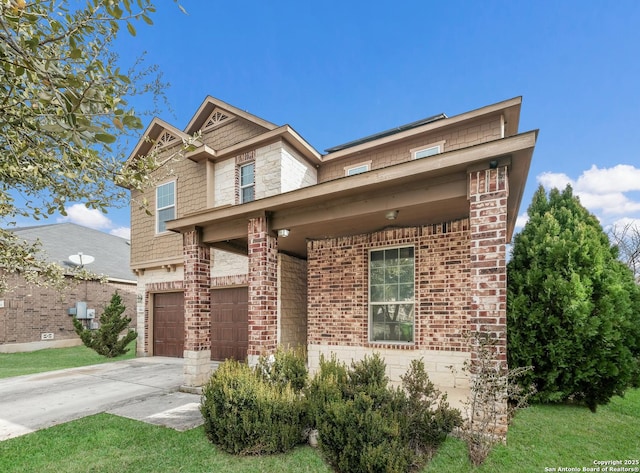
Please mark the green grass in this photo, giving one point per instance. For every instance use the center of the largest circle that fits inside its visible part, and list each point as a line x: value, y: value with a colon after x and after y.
x: 541, y: 437
x: 18, y: 364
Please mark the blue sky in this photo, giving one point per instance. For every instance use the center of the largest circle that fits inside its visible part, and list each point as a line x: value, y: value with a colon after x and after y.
x: 340, y: 70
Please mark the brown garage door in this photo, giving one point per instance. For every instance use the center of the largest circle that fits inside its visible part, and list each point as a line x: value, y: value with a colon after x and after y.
x: 168, y: 324
x: 229, y: 323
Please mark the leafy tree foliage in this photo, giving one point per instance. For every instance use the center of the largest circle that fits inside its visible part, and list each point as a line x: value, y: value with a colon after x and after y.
x: 63, y: 103
x: 572, y: 306
x: 107, y: 340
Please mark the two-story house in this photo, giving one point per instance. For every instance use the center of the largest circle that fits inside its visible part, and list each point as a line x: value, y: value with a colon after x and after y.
x: 394, y: 243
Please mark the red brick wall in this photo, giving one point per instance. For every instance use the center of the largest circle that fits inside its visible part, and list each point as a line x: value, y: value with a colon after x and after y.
x: 31, y: 310
x: 263, y: 288
x: 338, y: 286
x: 197, y: 292
x: 488, y: 192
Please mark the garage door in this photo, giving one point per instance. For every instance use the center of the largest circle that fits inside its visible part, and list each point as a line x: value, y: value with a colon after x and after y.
x: 229, y: 323
x: 168, y: 324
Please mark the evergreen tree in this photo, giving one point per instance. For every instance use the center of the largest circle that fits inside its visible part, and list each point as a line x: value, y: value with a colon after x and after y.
x: 106, y: 340
x: 572, y: 307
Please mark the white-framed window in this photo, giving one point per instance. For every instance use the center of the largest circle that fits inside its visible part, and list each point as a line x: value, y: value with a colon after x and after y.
x: 429, y: 150
x: 392, y: 294
x: 247, y: 182
x: 357, y: 168
x: 165, y: 205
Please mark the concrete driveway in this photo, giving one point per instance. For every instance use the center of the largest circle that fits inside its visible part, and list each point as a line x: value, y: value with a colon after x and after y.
x: 144, y: 389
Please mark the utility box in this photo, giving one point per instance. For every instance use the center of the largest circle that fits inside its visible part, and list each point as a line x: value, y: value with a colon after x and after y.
x: 81, y: 312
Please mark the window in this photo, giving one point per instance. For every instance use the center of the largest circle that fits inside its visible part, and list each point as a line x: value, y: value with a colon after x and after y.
x: 429, y: 150
x: 357, y: 169
x: 391, y: 294
x: 247, y: 183
x: 165, y: 205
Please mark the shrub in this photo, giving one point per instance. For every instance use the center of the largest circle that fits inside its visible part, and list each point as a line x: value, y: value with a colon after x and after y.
x: 244, y: 414
x: 366, y: 425
x: 106, y: 340
x: 495, y: 395
x: 285, y: 367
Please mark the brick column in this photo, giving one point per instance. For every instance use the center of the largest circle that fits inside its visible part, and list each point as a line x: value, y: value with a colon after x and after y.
x: 263, y: 289
x: 197, y: 309
x: 488, y: 192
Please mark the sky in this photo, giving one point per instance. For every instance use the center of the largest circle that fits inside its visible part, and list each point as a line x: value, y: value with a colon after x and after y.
x: 337, y: 71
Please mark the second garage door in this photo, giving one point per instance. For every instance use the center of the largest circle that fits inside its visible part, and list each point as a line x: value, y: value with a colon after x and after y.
x: 229, y: 323
x: 168, y: 324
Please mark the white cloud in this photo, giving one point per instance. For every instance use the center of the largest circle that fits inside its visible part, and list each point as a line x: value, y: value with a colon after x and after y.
x: 551, y: 179
x: 122, y: 232
x: 92, y: 218
x: 606, y: 192
x: 620, y: 178
x: 522, y: 220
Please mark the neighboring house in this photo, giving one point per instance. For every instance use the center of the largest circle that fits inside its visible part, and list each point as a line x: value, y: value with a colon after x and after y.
x: 34, y: 317
x: 394, y: 243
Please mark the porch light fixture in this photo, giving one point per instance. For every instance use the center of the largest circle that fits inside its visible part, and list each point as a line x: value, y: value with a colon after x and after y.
x: 493, y: 164
x: 283, y: 232
x: 391, y: 214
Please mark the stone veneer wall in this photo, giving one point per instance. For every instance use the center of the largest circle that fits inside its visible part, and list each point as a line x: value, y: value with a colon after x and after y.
x: 292, y: 301
x: 338, y: 299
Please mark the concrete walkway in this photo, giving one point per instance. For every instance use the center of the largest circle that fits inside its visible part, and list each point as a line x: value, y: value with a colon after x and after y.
x: 144, y: 389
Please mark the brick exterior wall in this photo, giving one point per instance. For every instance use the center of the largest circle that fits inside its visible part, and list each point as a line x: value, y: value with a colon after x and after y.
x: 197, y: 309
x: 470, y: 133
x: 338, y: 287
x: 488, y: 192
x: 338, y: 320
x: 263, y: 289
x: 29, y: 310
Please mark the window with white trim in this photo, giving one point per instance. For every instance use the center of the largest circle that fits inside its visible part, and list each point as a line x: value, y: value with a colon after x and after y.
x: 429, y: 150
x: 247, y: 182
x: 357, y: 169
x: 391, y: 294
x: 165, y: 205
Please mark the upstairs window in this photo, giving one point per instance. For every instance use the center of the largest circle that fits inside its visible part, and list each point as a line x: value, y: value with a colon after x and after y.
x: 426, y: 151
x: 165, y: 205
x: 247, y: 183
x: 357, y: 169
x: 391, y: 294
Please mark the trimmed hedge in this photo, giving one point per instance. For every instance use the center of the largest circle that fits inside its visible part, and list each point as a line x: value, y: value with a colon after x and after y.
x: 244, y: 414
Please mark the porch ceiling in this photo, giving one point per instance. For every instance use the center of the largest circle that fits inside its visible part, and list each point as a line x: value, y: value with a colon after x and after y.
x: 425, y: 191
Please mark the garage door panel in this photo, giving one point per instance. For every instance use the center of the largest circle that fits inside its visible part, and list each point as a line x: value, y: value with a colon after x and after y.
x: 229, y: 323
x: 168, y: 324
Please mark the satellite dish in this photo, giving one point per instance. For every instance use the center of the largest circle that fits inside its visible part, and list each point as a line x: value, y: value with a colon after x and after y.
x: 81, y: 259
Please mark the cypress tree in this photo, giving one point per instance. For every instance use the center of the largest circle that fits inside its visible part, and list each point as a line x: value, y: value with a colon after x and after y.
x: 572, y: 307
x: 106, y: 340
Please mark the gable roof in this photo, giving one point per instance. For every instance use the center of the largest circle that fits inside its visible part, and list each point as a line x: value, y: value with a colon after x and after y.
x: 210, y: 104
x: 59, y: 241
x: 154, y: 135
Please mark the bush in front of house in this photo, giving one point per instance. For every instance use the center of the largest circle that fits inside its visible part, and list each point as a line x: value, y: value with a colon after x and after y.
x: 366, y: 425
x: 285, y: 367
x: 108, y: 340
x: 247, y: 414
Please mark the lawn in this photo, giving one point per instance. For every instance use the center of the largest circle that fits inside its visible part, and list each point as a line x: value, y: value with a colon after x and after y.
x: 18, y: 364
x: 541, y: 437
